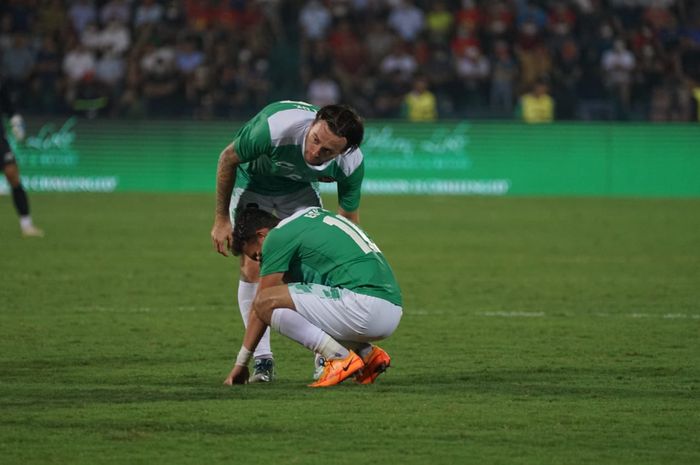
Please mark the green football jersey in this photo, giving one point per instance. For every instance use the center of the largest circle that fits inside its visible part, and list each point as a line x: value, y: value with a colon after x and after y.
x: 335, y: 252
x: 271, y: 148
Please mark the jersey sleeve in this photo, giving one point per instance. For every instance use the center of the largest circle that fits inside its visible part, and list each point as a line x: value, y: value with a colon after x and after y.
x: 349, y: 189
x: 253, y: 139
x: 277, y: 252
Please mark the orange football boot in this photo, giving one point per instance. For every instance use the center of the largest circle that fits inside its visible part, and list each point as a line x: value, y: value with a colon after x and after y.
x: 376, y: 363
x: 337, y: 370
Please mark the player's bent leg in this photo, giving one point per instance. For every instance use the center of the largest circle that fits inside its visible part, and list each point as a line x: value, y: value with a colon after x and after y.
x: 340, y: 363
x: 264, y: 368
x: 354, y: 320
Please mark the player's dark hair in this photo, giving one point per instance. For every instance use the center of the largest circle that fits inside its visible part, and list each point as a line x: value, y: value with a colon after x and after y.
x: 247, y: 223
x: 343, y: 121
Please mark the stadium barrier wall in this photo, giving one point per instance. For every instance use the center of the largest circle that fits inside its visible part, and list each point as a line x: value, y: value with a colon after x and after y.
x: 454, y: 158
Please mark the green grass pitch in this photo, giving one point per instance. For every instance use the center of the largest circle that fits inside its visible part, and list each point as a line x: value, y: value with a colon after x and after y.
x: 535, y: 331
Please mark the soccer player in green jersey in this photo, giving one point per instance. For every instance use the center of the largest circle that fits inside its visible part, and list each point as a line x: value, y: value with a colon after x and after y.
x: 276, y: 161
x: 324, y: 284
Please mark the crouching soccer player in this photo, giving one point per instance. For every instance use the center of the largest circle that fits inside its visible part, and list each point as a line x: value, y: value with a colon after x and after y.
x: 353, y: 300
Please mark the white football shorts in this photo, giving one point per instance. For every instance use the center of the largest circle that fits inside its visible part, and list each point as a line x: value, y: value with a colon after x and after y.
x: 281, y: 206
x: 346, y: 315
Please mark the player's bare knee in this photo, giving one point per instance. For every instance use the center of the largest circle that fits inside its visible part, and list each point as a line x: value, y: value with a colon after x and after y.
x: 268, y: 300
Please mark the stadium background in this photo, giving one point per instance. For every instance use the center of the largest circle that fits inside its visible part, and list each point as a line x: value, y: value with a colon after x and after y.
x: 114, y: 90
x: 557, y: 323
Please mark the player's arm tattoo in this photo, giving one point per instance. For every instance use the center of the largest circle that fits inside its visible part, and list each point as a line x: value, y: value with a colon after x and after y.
x: 225, y: 178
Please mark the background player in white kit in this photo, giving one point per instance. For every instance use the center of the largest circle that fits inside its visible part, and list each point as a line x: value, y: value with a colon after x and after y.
x: 276, y: 161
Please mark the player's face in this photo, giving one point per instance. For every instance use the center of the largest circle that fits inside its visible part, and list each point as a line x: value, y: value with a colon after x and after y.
x: 322, y: 145
x: 253, y: 248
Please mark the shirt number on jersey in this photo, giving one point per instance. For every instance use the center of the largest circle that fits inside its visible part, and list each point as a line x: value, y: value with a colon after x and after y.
x: 355, y: 233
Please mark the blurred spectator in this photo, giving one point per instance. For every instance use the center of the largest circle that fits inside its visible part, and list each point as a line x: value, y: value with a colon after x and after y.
x: 131, y: 102
x: 421, y: 105
x: 537, y: 106
x: 188, y: 57
x: 115, y: 38
x: 566, y: 75
x: 531, y: 16
x: 670, y: 102
x: 464, y: 38
x: 17, y: 67
x: 658, y: 16
x: 440, y: 72
x: 202, y: 14
x: 562, y: 20
x: 315, y: 20
x: 200, y: 94
x: 51, y: 17
x: 79, y: 68
x: 695, y: 90
x: 110, y: 72
x: 162, y: 88
x: 82, y: 13
x: 115, y: 10
x: 253, y: 78
x: 7, y: 38
x: 389, y: 96
x: 504, y: 70
x: 498, y: 20
x: 22, y: 14
x: 47, y: 82
x: 473, y: 71
x: 399, y: 61
x: 469, y: 14
x: 618, y: 65
x: 535, y: 65
x: 591, y: 93
x: 323, y: 90
x: 407, y: 20
x: 379, y: 40
x: 228, y: 97
x: 439, y: 21
x: 148, y: 12
x: 91, y: 37
x: 244, y: 53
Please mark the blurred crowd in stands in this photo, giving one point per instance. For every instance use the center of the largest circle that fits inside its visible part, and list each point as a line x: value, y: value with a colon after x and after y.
x: 592, y: 59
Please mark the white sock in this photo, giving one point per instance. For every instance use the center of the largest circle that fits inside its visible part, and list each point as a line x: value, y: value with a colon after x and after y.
x: 296, y: 327
x: 25, y: 222
x: 246, y: 294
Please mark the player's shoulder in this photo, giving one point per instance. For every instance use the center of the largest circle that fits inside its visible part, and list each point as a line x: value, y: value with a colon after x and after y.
x: 300, y: 218
x: 288, y: 120
x: 350, y: 162
x: 288, y: 110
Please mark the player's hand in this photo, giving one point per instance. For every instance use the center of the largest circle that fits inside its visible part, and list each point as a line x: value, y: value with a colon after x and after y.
x: 239, y: 375
x: 17, y: 125
x: 222, y: 235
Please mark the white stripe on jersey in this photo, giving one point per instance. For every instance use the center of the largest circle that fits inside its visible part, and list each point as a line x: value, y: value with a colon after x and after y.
x: 349, y: 162
x: 288, y: 127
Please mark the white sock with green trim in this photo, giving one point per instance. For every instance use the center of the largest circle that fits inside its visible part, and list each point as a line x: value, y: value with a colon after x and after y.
x: 246, y: 294
x: 296, y: 327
